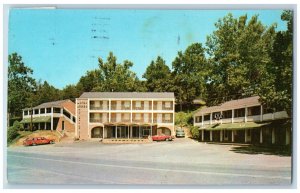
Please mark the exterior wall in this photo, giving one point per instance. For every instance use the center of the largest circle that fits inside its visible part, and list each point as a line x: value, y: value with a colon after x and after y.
x: 70, y: 106
x: 82, y: 114
x: 68, y: 126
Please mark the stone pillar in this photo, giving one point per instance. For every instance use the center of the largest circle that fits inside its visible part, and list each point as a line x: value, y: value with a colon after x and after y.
x: 261, y: 136
x: 232, y: 135
x: 210, y: 135
x: 202, y: 135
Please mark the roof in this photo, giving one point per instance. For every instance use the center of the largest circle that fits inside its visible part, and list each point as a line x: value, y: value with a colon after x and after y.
x: 234, y: 126
x: 43, y: 119
x: 233, y: 104
x: 128, y: 95
x: 51, y: 104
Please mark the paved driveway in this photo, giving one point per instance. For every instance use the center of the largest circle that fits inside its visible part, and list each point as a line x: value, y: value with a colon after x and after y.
x: 180, y: 162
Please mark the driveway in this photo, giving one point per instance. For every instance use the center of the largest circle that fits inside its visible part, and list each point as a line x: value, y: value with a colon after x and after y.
x: 179, y: 162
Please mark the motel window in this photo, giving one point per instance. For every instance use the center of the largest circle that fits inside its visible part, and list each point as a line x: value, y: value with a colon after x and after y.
x: 138, y: 104
x: 36, y: 111
x: 252, y: 111
x: 167, y: 117
x: 56, y: 110
x: 227, y: 114
x: 74, y: 119
x: 239, y: 112
x: 26, y: 112
x: 126, y: 116
x: 206, y: 117
x: 67, y: 114
x: 42, y: 111
x: 198, y: 119
x: 168, y: 104
x: 138, y: 116
x: 48, y: 110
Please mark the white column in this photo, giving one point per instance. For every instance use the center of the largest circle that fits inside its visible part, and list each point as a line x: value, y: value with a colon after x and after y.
x: 39, y: 126
x: 210, y: 135
x: 232, y: 135
x: 131, y: 131
x: 128, y: 132
x: 261, y: 113
x: 221, y: 112
x: 202, y: 135
x: 152, y: 112
x: 221, y: 135
x: 261, y: 136
x: 116, y: 131
x: 51, y: 118
x: 246, y: 114
x: 131, y: 111
x: 45, y: 126
x: 273, y: 136
x: 210, y: 120
x: 103, y: 132
x: 109, y: 109
x: 202, y: 120
x: 232, y: 115
x: 139, y: 131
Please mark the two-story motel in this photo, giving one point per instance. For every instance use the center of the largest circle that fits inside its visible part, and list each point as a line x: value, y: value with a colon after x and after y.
x: 124, y: 115
x: 55, y: 115
x: 243, y: 121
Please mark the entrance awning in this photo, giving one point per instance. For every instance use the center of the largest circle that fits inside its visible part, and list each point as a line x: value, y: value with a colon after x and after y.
x: 234, y: 126
x: 44, y: 119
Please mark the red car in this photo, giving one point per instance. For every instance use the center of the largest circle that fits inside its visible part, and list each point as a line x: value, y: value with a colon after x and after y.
x: 37, y: 141
x: 162, y: 138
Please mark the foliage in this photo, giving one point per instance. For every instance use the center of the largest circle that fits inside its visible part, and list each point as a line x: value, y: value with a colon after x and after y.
x: 20, y: 85
x: 239, y: 54
x: 195, y: 132
x: 190, y: 71
x: 19, y: 126
x: 183, y: 119
x: 158, y: 76
x: 12, y: 132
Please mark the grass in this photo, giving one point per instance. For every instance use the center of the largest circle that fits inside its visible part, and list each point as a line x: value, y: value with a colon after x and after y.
x: 22, y: 134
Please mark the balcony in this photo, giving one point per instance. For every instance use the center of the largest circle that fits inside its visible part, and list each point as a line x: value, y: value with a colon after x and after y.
x: 98, y: 120
x: 163, y: 105
x: 122, y: 107
x: 162, y: 120
x: 92, y: 107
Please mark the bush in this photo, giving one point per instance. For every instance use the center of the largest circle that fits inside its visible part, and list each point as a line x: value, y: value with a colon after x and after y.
x: 12, y: 133
x: 19, y: 126
x: 195, y: 132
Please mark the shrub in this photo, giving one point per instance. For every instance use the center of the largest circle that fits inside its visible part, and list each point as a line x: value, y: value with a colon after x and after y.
x: 19, y: 126
x: 12, y: 133
x: 194, y: 131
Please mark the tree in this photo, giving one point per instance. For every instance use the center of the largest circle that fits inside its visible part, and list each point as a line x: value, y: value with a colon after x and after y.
x: 239, y: 53
x: 158, y: 76
x: 91, y: 81
x: 20, y: 85
x: 45, y: 93
x: 276, y: 90
x: 190, y: 72
x: 117, y: 77
x: 70, y: 92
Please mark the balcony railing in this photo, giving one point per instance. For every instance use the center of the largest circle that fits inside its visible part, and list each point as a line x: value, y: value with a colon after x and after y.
x: 115, y: 107
x: 99, y: 108
x: 155, y: 107
x: 162, y: 121
x: 98, y: 120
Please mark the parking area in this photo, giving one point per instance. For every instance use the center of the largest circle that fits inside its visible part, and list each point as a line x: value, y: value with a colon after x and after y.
x: 182, y: 161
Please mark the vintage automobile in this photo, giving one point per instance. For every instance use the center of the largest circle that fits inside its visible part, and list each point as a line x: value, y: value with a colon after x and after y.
x: 180, y: 132
x: 162, y: 138
x: 37, y: 141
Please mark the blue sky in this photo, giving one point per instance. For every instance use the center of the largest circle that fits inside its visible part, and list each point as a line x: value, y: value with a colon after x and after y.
x: 60, y: 45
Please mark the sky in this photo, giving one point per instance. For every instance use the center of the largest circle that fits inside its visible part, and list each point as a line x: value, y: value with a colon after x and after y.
x: 62, y: 45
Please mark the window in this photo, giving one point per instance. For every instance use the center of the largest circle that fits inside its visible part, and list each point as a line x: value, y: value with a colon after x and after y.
x: 56, y: 110
x: 127, y: 104
x: 138, y: 116
x: 42, y: 111
x: 239, y: 112
x: 36, y: 111
x: 138, y: 104
x: 216, y: 115
x: 26, y: 112
x: 48, y: 110
x: 206, y: 117
x: 67, y: 114
x: 254, y: 111
x: 126, y: 116
x: 167, y: 117
x: 227, y: 114
x: 168, y: 104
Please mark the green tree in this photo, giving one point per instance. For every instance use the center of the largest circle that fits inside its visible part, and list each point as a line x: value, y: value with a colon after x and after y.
x: 70, y: 92
x: 158, y: 76
x: 276, y: 90
x: 190, y: 72
x: 45, y: 93
x: 117, y: 77
x: 91, y: 81
x: 239, y: 53
x: 20, y: 85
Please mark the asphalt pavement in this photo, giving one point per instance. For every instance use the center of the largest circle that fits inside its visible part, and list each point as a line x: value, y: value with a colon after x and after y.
x: 179, y: 162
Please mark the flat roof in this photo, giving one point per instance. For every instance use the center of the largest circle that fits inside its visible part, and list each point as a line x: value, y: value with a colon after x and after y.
x: 128, y: 95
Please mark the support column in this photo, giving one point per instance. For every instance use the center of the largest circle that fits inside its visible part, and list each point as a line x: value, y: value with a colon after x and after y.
x: 273, y: 136
x: 246, y: 114
x: 232, y: 135
x: 202, y: 123
x: 45, y: 126
x: 131, y: 131
x: 116, y: 131
x: 261, y: 136
x: 221, y: 135
x: 261, y: 113
x: 210, y: 135
x: 287, y: 136
x: 202, y: 135
x: 39, y: 126
x: 139, y: 132
x: 245, y: 135
x: 128, y: 132
x: 103, y: 132
x: 210, y: 119
x: 51, y: 118
x: 232, y: 115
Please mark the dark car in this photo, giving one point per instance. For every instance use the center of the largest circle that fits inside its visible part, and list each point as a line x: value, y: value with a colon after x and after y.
x: 37, y: 141
x: 180, y: 132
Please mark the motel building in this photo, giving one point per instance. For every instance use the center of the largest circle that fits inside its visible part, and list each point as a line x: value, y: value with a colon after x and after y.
x: 243, y: 121
x: 124, y: 116
x: 56, y: 115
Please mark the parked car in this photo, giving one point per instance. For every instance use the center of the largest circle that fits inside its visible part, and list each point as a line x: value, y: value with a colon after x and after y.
x: 180, y: 132
x: 37, y: 141
x: 162, y: 138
